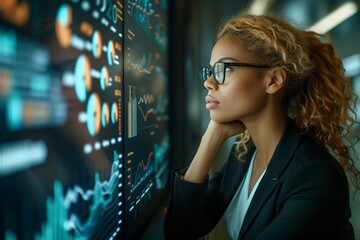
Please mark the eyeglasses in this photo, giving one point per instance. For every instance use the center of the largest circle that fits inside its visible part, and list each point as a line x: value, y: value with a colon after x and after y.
x: 219, y: 70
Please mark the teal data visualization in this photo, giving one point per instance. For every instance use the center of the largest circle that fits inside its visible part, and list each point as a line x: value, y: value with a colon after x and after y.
x: 146, y: 109
x: 84, y: 114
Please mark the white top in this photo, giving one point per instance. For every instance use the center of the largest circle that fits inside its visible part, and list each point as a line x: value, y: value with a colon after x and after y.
x: 236, y: 211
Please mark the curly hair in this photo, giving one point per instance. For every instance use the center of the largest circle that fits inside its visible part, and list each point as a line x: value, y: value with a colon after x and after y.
x: 317, y: 95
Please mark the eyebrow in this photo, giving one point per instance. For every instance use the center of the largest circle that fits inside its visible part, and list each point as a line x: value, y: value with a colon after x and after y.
x: 225, y: 58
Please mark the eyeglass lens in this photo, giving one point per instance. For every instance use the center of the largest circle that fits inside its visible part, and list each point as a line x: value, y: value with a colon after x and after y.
x: 205, y: 73
x: 217, y: 70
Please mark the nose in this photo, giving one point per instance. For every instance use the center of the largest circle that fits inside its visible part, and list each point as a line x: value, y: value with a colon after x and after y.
x: 210, y: 84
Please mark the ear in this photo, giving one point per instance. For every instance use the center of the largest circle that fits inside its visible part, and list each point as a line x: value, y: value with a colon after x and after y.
x: 276, y: 80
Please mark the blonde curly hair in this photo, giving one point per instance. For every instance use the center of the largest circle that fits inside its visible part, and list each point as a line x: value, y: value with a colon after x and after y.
x: 317, y: 95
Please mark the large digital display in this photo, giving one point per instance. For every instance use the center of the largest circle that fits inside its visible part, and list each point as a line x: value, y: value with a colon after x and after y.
x: 146, y: 106
x: 84, y: 113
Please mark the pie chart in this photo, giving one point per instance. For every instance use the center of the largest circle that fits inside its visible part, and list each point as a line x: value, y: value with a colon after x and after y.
x: 104, y: 78
x: 105, y: 115
x: 93, y: 114
x: 96, y: 44
x: 63, y: 25
x: 114, y: 113
x: 111, y: 53
x: 82, y: 77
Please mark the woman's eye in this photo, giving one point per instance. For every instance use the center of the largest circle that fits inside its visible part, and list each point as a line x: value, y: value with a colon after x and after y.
x: 228, y: 69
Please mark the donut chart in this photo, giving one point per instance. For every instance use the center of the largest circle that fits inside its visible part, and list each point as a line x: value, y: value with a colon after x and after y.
x: 63, y: 24
x: 105, y: 115
x: 93, y: 114
x: 111, y: 53
x: 104, y: 78
x: 82, y: 77
x: 97, y: 44
x: 114, y: 113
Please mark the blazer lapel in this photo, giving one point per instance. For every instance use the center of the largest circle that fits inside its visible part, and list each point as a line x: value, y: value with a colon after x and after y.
x: 235, y: 172
x: 280, y: 160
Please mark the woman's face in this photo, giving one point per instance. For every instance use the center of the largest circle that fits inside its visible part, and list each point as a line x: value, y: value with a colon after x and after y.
x: 243, y: 93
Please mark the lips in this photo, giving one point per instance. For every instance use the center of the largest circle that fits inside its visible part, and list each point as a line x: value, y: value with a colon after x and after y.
x: 211, y: 102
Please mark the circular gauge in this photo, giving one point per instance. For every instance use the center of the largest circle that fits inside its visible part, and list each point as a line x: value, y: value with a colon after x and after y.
x: 111, y: 53
x: 82, y: 77
x: 114, y: 113
x: 96, y: 44
x: 63, y: 25
x: 104, y: 78
x: 105, y: 114
x: 93, y: 114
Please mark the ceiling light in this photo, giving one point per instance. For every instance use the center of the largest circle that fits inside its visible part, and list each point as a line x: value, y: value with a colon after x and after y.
x: 334, y: 18
x: 259, y: 7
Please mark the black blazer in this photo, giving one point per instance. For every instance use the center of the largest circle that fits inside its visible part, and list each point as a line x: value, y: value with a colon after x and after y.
x: 303, y: 195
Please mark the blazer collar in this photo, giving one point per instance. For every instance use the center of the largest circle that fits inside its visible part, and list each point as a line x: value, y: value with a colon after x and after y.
x: 282, y: 157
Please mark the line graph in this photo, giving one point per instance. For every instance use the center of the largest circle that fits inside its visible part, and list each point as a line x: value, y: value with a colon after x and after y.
x: 141, y: 9
x: 146, y: 99
x: 146, y: 114
x: 148, y: 15
x: 159, y: 110
x: 63, y: 223
x: 143, y: 169
x: 145, y: 65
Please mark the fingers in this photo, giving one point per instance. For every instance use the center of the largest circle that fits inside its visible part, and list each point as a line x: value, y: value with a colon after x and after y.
x: 226, y: 130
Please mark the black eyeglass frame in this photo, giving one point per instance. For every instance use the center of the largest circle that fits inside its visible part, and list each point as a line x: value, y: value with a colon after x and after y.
x: 226, y: 64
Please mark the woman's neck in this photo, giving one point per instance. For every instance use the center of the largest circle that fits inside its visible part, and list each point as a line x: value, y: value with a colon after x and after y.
x: 266, y: 134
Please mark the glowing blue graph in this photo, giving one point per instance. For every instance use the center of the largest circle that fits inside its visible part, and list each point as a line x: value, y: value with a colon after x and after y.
x: 161, y: 166
x: 146, y: 14
x: 143, y: 169
x: 103, y: 204
x: 145, y: 65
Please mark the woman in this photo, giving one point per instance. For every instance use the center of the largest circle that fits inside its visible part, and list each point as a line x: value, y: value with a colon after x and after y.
x: 283, y: 91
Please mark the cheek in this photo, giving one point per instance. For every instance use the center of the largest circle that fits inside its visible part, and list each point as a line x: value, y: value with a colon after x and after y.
x: 239, y: 99
x: 246, y: 98
x: 247, y: 92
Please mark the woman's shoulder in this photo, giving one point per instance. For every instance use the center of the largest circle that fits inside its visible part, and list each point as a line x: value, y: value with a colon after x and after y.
x: 314, y: 161
x: 308, y: 151
x: 311, y: 152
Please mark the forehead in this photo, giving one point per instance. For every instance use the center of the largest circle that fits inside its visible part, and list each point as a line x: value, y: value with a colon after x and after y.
x: 230, y: 47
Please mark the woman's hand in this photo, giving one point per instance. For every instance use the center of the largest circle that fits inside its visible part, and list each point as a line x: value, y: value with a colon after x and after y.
x: 213, y: 138
x: 223, y: 131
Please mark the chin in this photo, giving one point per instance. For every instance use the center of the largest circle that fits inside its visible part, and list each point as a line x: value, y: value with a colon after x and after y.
x: 221, y: 118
